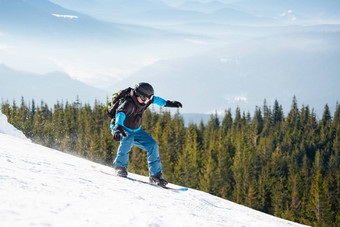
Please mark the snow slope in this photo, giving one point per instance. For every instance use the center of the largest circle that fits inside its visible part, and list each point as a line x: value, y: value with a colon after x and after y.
x: 44, y: 187
x: 6, y: 128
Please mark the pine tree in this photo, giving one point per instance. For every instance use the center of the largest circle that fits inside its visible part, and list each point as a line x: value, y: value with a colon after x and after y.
x: 209, y: 179
x: 6, y: 109
x: 277, y: 113
x: 22, y: 119
x: 107, y: 144
x: 12, y: 117
x: 293, y: 118
x: 168, y: 151
x: 327, y: 135
x: 295, y: 204
x: 279, y: 191
x: 314, y: 201
x: 226, y: 153
x: 264, y: 191
x: 32, y: 110
x: 240, y: 170
x: 38, y: 127
x: 227, y: 122
x: 333, y: 179
x: 305, y: 188
x: 267, y: 120
x: 238, y: 120
x: 186, y: 170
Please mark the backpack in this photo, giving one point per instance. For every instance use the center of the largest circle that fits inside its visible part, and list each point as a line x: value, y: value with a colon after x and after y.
x: 117, y: 99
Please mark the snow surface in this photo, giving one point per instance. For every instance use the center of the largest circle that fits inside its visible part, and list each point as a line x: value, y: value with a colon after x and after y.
x: 9, y: 129
x: 40, y: 186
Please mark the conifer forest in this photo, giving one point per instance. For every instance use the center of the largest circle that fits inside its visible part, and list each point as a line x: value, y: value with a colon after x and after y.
x: 287, y: 165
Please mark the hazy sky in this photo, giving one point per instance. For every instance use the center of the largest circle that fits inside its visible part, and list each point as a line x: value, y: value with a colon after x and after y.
x: 228, y: 46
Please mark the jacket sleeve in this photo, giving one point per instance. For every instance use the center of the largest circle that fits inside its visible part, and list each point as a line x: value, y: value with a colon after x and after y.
x: 120, y: 118
x: 159, y: 101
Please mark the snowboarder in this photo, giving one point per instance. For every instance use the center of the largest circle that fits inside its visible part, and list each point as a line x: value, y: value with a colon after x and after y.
x: 127, y: 130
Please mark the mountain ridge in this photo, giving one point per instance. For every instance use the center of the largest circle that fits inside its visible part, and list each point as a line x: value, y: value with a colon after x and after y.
x: 50, y: 87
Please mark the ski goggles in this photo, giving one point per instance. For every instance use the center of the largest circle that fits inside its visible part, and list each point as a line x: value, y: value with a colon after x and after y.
x: 143, y: 97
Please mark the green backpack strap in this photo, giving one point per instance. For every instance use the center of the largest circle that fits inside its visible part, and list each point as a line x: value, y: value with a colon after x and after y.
x: 114, y: 95
x: 116, y: 99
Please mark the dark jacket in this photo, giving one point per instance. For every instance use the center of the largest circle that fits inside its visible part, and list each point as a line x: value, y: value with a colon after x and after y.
x: 133, y: 111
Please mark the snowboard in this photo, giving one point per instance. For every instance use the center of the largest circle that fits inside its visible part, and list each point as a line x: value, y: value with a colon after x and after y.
x: 141, y: 181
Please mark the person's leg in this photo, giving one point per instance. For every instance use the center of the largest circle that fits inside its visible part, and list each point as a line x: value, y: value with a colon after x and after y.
x: 123, y: 151
x: 144, y: 141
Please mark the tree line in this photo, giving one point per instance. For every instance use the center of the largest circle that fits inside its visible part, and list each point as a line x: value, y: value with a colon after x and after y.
x: 287, y: 166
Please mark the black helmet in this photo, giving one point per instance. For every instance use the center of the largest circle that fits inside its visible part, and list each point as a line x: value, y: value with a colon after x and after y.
x: 144, y: 89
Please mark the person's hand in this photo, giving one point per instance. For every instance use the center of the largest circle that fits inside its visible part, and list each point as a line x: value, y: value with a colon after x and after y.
x: 173, y: 104
x: 119, y: 133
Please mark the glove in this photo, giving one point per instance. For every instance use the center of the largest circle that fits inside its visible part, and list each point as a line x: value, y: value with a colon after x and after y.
x: 119, y: 133
x: 173, y: 104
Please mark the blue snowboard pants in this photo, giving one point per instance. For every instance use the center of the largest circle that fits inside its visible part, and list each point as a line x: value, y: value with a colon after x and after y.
x: 144, y: 141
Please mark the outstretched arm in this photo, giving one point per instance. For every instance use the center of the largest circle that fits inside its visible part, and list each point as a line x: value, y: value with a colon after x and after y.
x: 167, y: 103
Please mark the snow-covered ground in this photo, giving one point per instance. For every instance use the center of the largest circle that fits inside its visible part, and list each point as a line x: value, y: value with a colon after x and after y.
x: 40, y: 186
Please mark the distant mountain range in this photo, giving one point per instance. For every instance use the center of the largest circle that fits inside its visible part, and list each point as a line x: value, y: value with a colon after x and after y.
x: 49, y: 88
x: 58, y: 86
x: 243, y: 75
x: 310, y: 9
x: 287, y: 10
x: 158, y: 12
x: 45, y: 19
x: 210, y: 55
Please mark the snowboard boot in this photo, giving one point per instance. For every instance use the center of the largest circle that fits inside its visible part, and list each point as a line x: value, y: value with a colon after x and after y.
x: 121, y: 171
x: 158, y: 180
